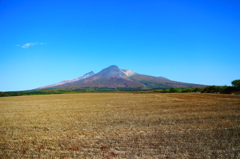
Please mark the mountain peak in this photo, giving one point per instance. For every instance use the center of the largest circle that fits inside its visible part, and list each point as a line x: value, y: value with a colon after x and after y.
x: 89, y: 74
x: 113, y: 67
x: 111, y: 71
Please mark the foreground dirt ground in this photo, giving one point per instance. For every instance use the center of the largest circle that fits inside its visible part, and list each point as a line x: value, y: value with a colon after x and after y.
x: 120, y: 125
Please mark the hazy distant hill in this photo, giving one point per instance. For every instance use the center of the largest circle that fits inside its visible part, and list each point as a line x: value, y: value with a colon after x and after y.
x: 113, y: 77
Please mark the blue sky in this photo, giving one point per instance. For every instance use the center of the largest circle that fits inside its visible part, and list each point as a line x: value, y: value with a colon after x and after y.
x: 45, y: 42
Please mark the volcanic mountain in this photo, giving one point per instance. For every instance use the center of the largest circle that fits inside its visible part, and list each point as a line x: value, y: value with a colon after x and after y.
x: 113, y: 77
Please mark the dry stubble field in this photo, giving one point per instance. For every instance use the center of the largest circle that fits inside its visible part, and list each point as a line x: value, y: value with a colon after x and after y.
x: 120, y: 125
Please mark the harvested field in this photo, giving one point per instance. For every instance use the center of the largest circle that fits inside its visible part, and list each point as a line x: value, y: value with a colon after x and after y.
x: 120, y: 125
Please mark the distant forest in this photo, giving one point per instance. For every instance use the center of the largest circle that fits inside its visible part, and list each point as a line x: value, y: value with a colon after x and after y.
x: 208, y: 89
x: 235, y: 89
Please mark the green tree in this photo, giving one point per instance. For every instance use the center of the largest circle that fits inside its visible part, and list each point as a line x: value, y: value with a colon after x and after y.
x: 236, y: 83
x: 175, y: 90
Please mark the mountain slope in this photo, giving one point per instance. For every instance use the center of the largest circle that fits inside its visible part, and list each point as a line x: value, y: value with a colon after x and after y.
x: 113, y: 77
x: 69, y: 81
x: 160, y: 82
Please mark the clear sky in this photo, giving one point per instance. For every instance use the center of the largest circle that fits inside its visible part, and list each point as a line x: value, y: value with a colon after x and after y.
x: 45, y: 41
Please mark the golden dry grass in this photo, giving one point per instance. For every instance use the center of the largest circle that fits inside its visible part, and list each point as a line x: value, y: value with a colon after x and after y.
x: 120, y: 125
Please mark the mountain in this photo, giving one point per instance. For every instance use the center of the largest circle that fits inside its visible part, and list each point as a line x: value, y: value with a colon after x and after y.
x: 114, y: 77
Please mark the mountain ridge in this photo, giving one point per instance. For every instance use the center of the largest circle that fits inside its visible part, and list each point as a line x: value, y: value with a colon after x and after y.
x: 89, y: 74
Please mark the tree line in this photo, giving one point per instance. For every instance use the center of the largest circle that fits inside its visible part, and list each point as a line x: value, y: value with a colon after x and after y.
x: 235, y: 88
